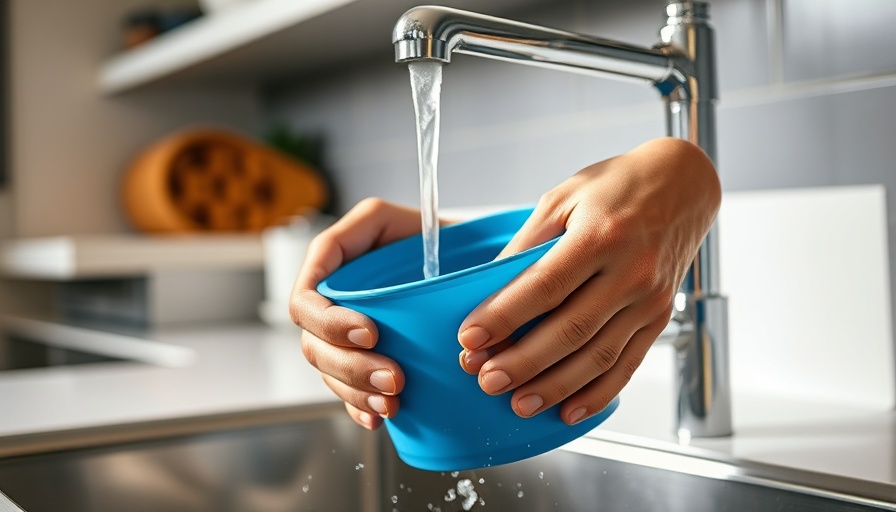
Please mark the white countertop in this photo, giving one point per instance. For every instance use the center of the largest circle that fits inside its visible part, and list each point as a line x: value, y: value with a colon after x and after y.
x: 232, y: 368
x: 856, y: 441
x: 253, y: 367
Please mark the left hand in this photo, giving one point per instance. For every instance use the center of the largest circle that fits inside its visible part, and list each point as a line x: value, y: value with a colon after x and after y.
x: 632, y: 225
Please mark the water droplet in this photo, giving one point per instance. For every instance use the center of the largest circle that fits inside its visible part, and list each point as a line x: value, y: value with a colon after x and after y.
x: 454, y: 474
x: 305, y: 488
x: 541, y: 475
x: 401, y: 486
x: 359, y: 466
x: 519, y: 494
x: 482, y: 480
x: 394, y: 499
x: 309, y: 477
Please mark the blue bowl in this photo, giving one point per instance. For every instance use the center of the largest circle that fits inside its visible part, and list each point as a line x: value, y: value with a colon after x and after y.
x: 446, y: 422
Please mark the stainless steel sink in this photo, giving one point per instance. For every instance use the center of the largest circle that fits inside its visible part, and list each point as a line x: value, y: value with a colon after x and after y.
x: 326, y: 463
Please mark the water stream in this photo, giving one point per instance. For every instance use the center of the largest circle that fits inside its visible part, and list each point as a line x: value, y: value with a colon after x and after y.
x: 426, y: 86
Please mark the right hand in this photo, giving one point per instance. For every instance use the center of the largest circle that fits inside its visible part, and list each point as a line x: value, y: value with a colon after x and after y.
x: 337, y: 340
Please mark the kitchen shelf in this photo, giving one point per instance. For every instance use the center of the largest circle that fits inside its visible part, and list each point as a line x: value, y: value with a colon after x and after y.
x: 265, y: 41
x: 72, y: 257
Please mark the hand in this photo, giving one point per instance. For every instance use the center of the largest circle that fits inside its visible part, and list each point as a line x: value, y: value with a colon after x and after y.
x: 337, y: 340
x: 633, y: 226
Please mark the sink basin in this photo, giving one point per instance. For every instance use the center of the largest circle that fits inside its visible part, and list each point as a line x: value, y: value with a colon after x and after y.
x: 325, y: 462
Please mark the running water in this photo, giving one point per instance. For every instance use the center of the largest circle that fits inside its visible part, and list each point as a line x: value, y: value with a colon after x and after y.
x: 426, y: 85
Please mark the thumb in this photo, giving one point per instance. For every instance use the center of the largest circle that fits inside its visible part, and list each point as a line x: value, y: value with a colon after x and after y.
x: 544, y: 224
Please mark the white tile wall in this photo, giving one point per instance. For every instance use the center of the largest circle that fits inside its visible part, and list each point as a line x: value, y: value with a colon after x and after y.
x: 828, y: 38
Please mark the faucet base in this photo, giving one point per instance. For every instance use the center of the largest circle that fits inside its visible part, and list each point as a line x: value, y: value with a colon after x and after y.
x: 704, y: 394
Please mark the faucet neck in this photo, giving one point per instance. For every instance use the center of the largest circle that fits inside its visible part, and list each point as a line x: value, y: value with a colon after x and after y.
x: 688, y: 38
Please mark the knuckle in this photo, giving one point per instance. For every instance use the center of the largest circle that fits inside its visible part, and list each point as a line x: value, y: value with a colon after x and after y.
x: 501, y: 322
x: 612, y: 233
x: 662, y: 319
x: 603, y: 357
x: 663, y: 308
x: 660, y: 303
x: 629, y: 368
x: 321, y: 240
x: 529, y: 365
x: 371, y: 205
x: 559, y: 391
x: 551, y: 286
x: 646, y: 271
x: 575, y: 330
x: 550, y: 200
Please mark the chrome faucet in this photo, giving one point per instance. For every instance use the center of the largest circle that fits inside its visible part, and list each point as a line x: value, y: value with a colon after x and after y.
x: 681, y: 68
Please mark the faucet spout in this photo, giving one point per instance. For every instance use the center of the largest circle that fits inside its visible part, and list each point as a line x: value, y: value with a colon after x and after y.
x: 434, y: 33
x: 682, y: 68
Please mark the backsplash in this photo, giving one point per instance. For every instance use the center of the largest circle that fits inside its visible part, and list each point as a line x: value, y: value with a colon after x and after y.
x: 808, y: 99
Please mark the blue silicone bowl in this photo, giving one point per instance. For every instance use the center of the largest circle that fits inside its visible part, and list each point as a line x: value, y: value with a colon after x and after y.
x: 446, y: 422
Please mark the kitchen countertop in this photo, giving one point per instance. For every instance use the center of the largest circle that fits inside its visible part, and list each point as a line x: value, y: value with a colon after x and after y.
x: 241, y: 370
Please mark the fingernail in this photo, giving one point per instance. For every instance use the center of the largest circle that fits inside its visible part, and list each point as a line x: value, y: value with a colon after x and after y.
x: 473, y: 337
x: 378, y: 404
x: 360, y: 337
x: 367, y: 419
x: 474, y: 358
x: 577, y: 415
x: 494, y: 381
x: 529, y: 404
x: 383, y: 380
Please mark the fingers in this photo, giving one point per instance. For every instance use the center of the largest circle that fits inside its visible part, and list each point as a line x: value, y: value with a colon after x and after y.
x: 363, y: 370
x: 372, y: 403
x: 371, y: 223
x: 597, y: 394
x: 472, y: 360
x: 366, y: 381
x: 334, y: 338
x: 538, y: 289
x: 579, y: 383
x: 364, y: 418
x: 540, y: 353
x: 338, y: 325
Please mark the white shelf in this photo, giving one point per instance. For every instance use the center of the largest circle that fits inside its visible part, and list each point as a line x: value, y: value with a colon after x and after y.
x: 70, y: 257
x: 264, y: 41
